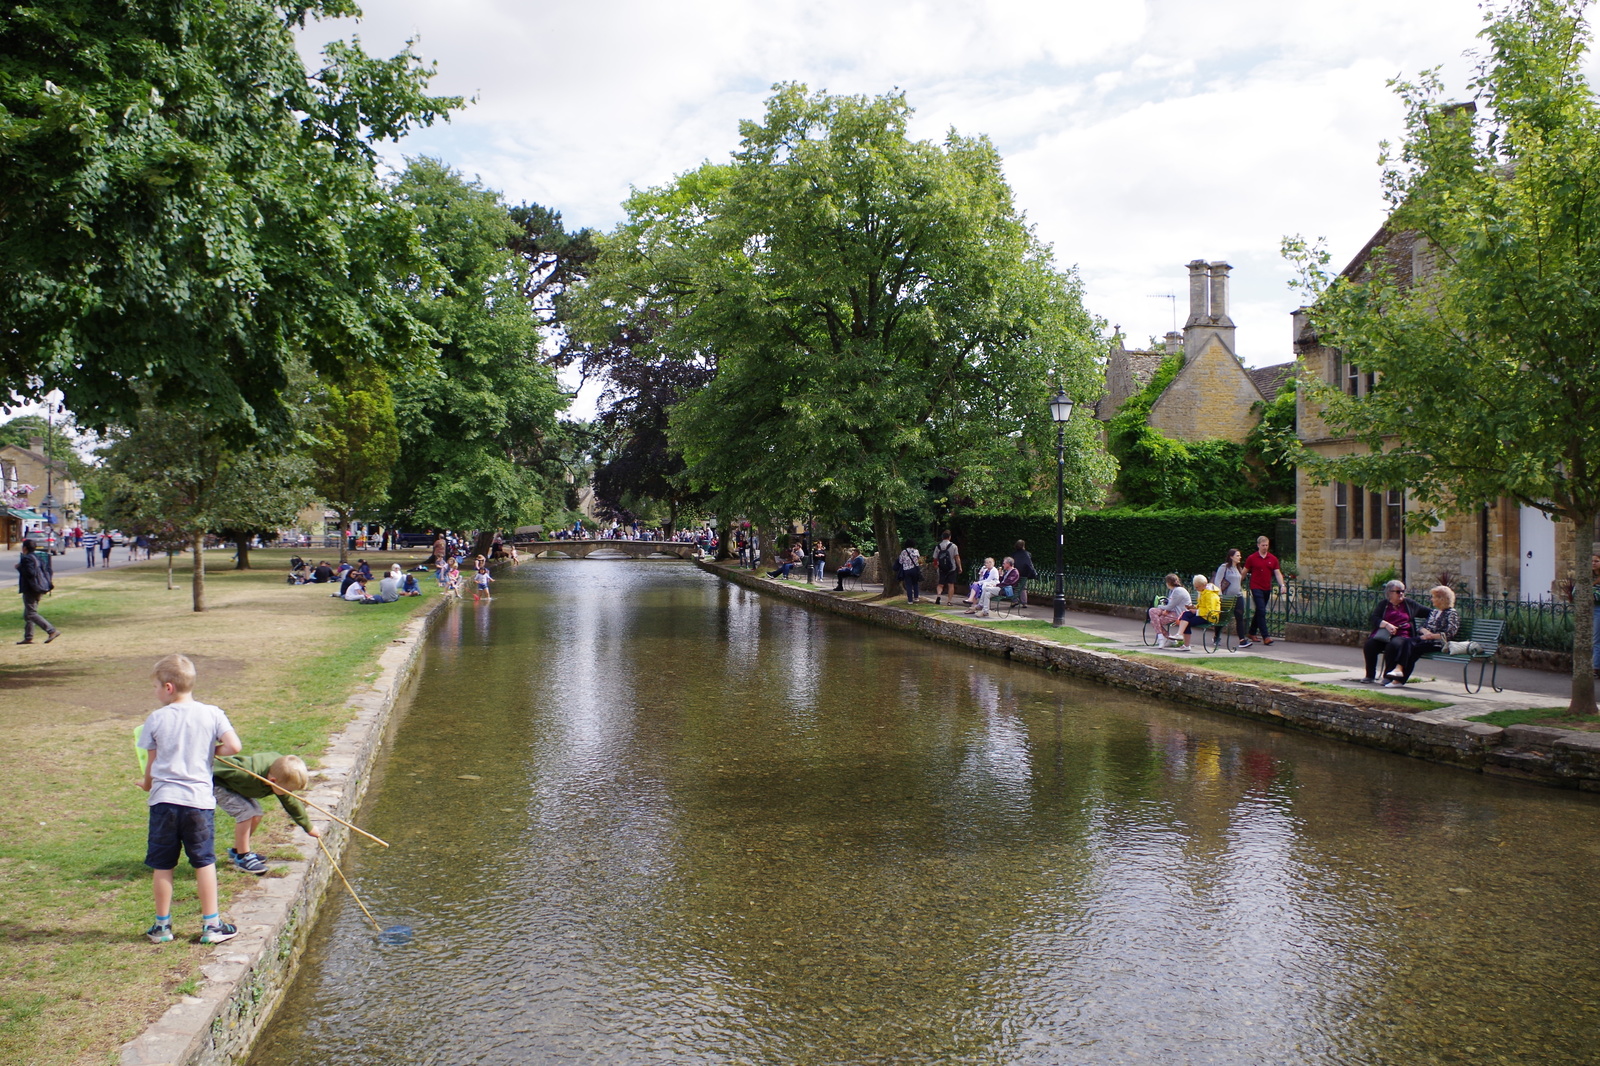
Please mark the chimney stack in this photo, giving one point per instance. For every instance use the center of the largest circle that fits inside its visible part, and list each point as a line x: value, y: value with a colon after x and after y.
x: 1197, y: 294
x: 1174, y: 342
x: 36, y: 444
x: 1219, y: 294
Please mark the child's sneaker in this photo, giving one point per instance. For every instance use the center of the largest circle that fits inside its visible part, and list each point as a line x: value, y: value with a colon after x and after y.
x: 217, y: 932
x: 160, y: 933
x: 249, y: 862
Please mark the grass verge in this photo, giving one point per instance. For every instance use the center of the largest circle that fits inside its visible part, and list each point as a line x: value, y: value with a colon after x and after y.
x: 1559, y: 717
x: 77, y: 978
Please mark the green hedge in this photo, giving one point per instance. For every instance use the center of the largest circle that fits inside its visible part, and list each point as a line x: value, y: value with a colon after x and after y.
x: 1189, y: 542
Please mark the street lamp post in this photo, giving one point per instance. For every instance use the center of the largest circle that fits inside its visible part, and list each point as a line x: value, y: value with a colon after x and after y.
x: 1060, y: 411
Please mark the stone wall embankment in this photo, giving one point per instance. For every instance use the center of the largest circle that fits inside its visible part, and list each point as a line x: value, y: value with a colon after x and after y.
x: 246, y: 978
x: 1557, y: 757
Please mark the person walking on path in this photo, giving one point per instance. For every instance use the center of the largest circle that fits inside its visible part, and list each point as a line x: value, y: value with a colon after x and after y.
x: 948, y: 559
x: 90, y: 542
x: 33, y: 581
x: 1229, y: 581
x: 910, y: 566
x: 105, y: 549
x: 1264, y: 569
x: 1024, y: 564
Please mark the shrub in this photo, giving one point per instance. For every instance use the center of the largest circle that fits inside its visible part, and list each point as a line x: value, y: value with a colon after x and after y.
x: 1185, y: 541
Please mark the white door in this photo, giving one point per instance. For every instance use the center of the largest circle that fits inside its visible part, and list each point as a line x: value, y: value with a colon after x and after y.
x: 1538, y: 554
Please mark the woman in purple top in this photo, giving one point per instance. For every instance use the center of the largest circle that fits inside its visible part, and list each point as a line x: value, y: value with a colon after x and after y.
x: 1392, y: 626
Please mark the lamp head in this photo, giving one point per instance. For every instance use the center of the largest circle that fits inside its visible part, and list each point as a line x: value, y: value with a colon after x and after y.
x: 1060, y: 407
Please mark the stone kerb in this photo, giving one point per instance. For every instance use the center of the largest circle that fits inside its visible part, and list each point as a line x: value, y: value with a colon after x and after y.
x: 1558, y: 757
x: 246, y: 977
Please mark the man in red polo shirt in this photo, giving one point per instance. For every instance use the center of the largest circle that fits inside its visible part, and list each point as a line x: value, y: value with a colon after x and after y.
x: 1262, y: 566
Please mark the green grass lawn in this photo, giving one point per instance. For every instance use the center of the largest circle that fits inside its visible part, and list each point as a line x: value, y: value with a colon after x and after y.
x: 1554, y: 716
x: 77, y: 978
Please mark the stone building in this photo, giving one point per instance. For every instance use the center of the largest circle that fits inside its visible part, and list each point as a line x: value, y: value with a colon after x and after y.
x: 1214, y: 396
x: 29, y: 466
x: 1348, y: 533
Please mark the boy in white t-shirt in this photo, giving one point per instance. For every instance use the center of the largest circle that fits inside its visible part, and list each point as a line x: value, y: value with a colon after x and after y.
x: 183, y: 736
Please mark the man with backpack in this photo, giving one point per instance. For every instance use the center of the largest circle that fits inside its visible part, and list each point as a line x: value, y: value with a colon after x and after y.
x: 947, y: 557
x: 33, y: 581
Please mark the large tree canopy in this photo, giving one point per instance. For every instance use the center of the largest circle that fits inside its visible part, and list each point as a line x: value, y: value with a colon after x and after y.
x: 1487, y: 382
x: 876, y: 311
x: 183, y: 210
x: 477, y: 420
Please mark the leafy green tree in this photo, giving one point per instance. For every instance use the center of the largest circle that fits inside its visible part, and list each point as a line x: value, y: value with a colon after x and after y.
x: 477, y: 420
x: 176, y: 472
x: 184, y: 210
x: 1487, y: 382
x: 355, y: 445
x: 875, y: 311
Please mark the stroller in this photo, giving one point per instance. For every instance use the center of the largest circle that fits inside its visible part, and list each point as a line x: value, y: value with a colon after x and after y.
x: 299, y: 571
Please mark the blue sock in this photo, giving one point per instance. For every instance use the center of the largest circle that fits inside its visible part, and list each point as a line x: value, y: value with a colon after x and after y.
x: 211, y: 919
x: 163, y: 919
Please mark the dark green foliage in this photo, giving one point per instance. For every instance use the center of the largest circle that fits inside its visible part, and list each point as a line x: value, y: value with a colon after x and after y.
x: 184, y: 209
x: 1187, y: 541
x: 1155, y: 470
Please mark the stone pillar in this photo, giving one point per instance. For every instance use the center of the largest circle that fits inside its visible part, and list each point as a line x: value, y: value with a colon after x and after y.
x: 1174, y: 342
x: 1198, y: 287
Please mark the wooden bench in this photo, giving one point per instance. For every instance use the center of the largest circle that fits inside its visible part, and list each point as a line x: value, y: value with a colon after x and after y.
x: 1485, y: 633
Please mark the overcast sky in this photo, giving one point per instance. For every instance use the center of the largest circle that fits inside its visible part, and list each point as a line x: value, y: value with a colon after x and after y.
x: 1138, y: 136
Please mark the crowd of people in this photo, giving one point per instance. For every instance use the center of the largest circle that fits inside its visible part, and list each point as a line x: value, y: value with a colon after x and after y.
x: 1178, y: 612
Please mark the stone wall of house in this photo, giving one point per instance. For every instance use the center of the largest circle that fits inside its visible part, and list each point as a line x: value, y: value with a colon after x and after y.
x: 1210, y: 399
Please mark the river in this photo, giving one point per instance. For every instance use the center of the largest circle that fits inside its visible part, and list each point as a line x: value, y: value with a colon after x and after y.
x: 640, y: 816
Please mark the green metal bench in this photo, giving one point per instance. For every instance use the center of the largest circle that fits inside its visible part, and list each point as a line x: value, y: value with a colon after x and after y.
x: 1485, y: 634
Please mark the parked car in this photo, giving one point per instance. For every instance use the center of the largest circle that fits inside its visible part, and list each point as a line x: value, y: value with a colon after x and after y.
x: 115, y: 534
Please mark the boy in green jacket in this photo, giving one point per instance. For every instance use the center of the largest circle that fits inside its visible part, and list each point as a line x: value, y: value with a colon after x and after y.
x: 237, y: 793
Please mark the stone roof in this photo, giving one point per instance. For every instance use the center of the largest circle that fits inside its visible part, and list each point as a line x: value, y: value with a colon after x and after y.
x: 1271, y: 379
x: 1143, y: 365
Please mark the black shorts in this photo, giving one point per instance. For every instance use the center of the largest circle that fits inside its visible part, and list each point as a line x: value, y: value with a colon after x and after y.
x: 948, y: 577
x: 175, y: 828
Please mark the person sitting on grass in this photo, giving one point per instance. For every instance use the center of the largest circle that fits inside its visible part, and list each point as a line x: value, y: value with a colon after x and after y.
x: 852, y: 568
x: 1207, y: 609
x: 238, y: 794
x: 1168, y: 613
x: 322, y: 574
x: 357, y: 590
x: 409, y: 586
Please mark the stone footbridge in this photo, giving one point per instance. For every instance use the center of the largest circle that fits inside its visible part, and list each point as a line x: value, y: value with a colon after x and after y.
x: 582, y: 549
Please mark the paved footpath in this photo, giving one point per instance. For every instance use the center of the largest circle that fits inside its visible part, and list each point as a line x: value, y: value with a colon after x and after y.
x: 1522, y: 687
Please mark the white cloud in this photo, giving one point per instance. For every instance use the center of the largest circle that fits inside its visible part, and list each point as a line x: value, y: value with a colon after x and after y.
x: 1138, y: 135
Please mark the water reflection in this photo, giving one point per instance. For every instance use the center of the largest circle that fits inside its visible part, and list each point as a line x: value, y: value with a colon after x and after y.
x: 648, y: 818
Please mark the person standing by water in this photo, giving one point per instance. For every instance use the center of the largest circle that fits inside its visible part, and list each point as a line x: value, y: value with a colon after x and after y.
x: 1264, y: 569
x: 1229, y: 581
x: 33, y: 581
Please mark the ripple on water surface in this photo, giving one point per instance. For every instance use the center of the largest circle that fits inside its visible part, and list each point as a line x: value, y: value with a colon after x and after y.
x: 642, y: 817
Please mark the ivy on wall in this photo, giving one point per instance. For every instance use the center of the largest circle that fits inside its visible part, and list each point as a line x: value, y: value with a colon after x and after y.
x: 1156, y: 470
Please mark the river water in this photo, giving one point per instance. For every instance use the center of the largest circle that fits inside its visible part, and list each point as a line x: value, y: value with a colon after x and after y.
x: 640, y: 816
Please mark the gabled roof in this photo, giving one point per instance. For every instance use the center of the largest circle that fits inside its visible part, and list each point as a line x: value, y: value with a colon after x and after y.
x: 1270, y: 379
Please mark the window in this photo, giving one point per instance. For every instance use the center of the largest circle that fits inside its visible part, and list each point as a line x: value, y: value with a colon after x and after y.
x: 1358, y: 514
x: 1394, y: 502
x: 1341, y: 511
x: 1352, y: 379
x: 1376, y: 499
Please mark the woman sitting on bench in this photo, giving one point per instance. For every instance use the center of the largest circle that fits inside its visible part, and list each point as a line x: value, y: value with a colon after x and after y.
x: 1441, y: 627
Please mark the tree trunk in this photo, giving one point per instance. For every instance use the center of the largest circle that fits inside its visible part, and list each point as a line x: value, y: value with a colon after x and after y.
x: 483, y: 543
x: 198, y: 546
x: 344, y: 536
x: 672, y: 518
x: 1582, y: 617
x: 884, y: 530
x: 241, y: 558
x: 170, y: 585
